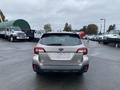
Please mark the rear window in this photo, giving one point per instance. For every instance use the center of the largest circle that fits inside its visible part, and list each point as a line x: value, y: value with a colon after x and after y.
x: 60, y: 39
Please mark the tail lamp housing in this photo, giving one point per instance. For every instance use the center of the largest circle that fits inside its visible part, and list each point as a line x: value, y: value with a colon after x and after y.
x: 38, y: 50
x: 84, y: 51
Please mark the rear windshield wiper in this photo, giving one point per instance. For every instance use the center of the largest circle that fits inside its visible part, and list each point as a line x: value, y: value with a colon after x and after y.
x: 55, y: 44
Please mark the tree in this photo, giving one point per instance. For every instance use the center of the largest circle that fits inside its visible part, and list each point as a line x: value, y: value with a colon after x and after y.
x: 114, y: 26
x: 75, y: 30
x: 2, y: 17
x: 92, y: 29
x: 84, y: 29
x: 100, y: 33
x: 111, y: 27
x: 68, y: 27
x: 47, y: 28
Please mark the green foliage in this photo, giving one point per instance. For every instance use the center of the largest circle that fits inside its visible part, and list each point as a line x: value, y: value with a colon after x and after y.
x: 47, y: 28
x: 100, y: 33
x: 84, y: 29
x: 68, y: 27
x: 75, y: 30
x: 2, y: 16
x: 91, y: 29
x: 111, y: 27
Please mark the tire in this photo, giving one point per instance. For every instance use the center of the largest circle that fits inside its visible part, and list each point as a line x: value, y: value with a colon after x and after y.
x: 105, y: 43
x: 40, y: 72
x: 37, y: 69
x: 80, y: 73
x: 11, y: 39
x: 83, y: 70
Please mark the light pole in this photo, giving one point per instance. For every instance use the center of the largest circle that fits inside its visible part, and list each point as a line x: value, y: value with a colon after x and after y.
x: 104, y: 20
x: 100, y: 28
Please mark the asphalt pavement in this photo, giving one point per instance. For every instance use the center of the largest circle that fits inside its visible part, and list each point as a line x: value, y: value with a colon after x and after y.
x: 16, y: 69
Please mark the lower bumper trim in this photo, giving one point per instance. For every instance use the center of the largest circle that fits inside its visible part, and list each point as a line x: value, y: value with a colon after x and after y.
x: 61, y: 68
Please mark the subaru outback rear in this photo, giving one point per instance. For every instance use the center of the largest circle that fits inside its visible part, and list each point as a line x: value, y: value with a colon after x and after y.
x: 60, y: 52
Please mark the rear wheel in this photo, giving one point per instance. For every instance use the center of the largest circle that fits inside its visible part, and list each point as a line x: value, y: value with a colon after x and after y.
x: 105, y: 43
x: 83, y: 70
x: 11, y: 39
x: 39, y: 72
x: 37, y: 69
x: 80, y: 73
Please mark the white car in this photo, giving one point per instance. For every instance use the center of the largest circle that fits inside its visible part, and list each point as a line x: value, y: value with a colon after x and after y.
x: 112, y: 37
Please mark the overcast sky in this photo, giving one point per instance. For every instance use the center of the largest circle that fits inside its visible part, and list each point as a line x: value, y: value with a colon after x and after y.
x: 58, y: 12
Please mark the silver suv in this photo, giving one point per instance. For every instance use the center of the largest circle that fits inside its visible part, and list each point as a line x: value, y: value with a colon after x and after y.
x: 60, y: 52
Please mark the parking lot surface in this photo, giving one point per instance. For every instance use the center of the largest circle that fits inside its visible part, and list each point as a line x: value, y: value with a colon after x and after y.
x: 16, y: 69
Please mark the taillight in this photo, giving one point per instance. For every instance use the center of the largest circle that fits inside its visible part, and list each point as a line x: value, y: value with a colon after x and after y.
x: 84, y: 51
x: 38, y: 50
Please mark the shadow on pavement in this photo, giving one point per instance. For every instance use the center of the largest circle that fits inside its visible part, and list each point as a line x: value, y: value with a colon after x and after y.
x: 59, y: 81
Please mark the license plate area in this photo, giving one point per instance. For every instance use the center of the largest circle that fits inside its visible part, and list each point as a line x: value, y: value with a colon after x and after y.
x: 61, y: 56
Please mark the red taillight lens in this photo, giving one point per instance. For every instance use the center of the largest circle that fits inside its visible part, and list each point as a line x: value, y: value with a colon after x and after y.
x: 38, y: 50
x: 84, y: 51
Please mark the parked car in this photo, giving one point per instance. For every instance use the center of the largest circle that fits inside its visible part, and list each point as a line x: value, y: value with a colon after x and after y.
x: 60, y: 52
x: 112, y: 37
x: 37, y: 34
x: 99, y: 38
x: 90, y: 37
x: 94, y: 38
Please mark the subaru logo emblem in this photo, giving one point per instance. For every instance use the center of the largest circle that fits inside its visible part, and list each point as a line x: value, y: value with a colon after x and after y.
x: 60, y: 49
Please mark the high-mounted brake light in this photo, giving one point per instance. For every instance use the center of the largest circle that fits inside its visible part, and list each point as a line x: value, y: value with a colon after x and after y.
x: 38, y: 50
x: 84, y: 51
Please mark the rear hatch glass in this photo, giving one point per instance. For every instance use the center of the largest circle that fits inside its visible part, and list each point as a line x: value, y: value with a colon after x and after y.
x: 60, y: 39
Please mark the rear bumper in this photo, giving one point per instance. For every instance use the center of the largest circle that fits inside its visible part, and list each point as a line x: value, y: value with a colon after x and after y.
x: 73, y: 68
x: 61, y: 68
